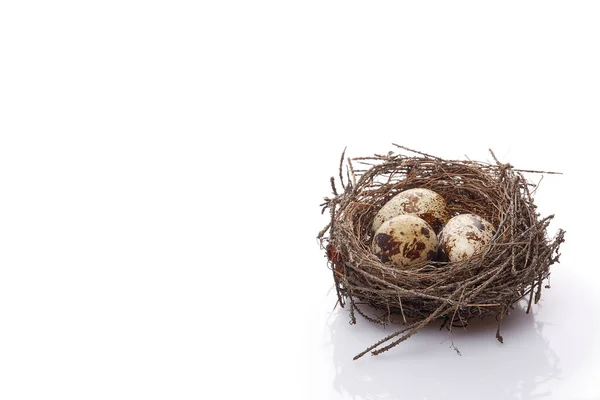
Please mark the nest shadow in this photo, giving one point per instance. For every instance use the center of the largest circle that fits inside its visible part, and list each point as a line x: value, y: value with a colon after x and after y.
x: 522, y: 370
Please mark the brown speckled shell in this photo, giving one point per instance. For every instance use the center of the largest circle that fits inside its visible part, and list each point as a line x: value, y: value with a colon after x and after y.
x: 463, y: 236
x: 423, y: 203
x: 405, y: 240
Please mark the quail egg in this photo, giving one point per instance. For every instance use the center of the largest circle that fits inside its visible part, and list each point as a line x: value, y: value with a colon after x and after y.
x: 420, y: 202
x: 463, y: 236
x: 405, y: 240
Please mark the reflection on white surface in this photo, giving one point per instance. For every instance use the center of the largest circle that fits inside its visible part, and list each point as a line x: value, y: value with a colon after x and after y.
x: 426, y: 366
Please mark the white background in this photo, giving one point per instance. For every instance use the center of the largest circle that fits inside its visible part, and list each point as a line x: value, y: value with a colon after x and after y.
x: 162, y: 165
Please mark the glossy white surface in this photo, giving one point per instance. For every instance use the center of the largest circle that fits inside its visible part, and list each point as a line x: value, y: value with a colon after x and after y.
x: 551, y: 353
x: 161, y: 170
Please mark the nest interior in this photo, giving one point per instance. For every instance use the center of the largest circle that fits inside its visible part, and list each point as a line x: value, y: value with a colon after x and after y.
x: 512, y: 267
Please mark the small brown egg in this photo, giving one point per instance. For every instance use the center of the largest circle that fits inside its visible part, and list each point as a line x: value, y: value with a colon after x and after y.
x: 422, y: 203
x: 405, y: 240
x: 463, y: 236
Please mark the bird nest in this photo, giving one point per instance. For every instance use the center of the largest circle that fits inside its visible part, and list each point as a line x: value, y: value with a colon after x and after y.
x: 513, y: 266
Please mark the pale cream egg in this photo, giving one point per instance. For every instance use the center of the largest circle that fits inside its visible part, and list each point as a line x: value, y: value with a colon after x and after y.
x: 463, y: 236
x: 420, y: 202
x: 405, y: 240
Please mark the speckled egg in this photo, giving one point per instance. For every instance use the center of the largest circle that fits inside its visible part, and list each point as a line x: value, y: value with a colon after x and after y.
x: 463, y: 236
x: 423, y: 203
x: 405, y: 240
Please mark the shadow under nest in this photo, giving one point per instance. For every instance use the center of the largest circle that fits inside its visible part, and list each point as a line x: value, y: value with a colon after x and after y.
x: 511, y: 267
